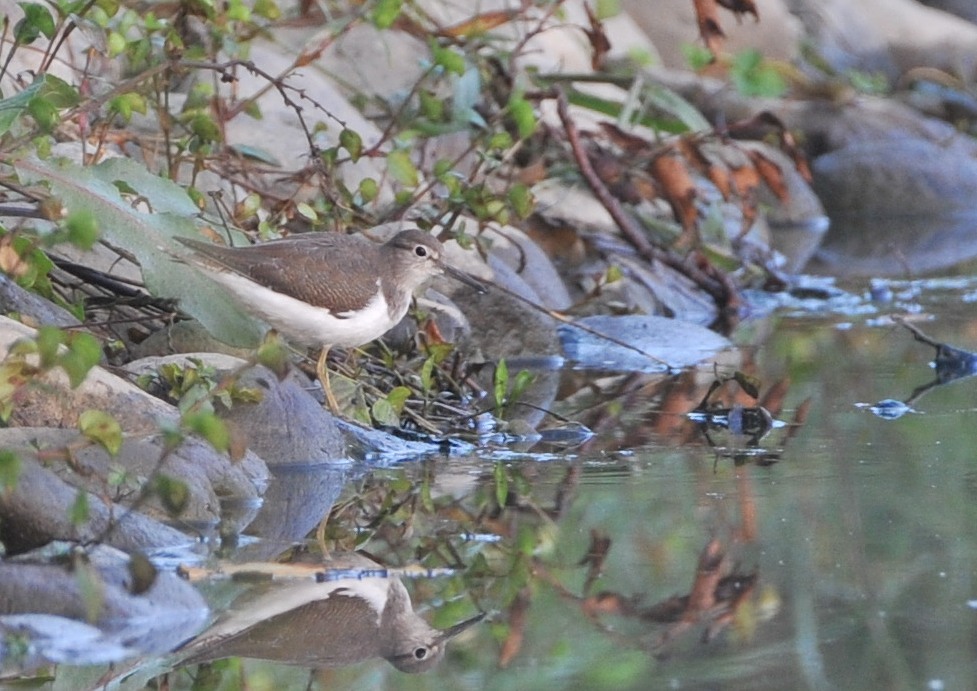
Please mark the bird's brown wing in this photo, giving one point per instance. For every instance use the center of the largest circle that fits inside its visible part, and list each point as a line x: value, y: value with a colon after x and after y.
x: 317, y: 274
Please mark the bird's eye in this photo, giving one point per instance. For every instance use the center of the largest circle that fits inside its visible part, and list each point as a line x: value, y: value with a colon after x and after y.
x: 420, y: 653
x: 420, y: 250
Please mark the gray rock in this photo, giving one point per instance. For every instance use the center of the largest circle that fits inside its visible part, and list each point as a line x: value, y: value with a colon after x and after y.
x: 897, y: 207
x: 639, y: 343
x: 13, y: 298
x: 288, y: 426
x: 219, y: 491
x: 37, y: 510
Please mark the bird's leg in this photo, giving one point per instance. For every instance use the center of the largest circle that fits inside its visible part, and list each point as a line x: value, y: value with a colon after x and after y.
x: 323, y: 374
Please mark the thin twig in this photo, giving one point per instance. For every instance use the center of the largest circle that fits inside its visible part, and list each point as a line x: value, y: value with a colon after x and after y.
x: 719, y: 288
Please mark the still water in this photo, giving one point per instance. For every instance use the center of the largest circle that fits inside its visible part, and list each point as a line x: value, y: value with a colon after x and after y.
x: 840, y: 551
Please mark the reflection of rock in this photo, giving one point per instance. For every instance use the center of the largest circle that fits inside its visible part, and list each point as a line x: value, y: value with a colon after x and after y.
x: 297, y: 498
x: 316, y: 615
x: 46, y: 603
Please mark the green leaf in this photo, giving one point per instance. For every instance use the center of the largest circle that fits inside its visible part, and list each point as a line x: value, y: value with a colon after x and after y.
x: 90, y: 587
x: 37, y: 20
x: 49, y: 340
x: 521, y: 200
x: 427, y: 374
x: 58, y: 92
x: 697, y: 56
x: 466, y: 96
x: 307, y: 212
x: 402, y: 168
x: 101, y: 428
x: 126, y: 104
x: 10, y: 468
x: 749, y: 384
x: 173, y: 493
x: 385, y: 13
x: 142, y: 573
x: 368, y: 190
x: 384, y: 414
x: 82, y: 227
x: 446, y: 57
x: 501, y: 483
x: 431, y: 106
x: 83, y: 352
x: 143, y: 233
x: 398, y: 397
x: 273, y: 353
x: 607, y: 9
x: 79, y: 512
x: 204, y: 127
x: 207, y: 425
x: 267, y: 9
x: 523, y: 116
x: 522, y: 382
x: 352, y: 142
x: 501, y: 382
x: 116, y: 44
x: 754, y: 76
x: 44, y: 113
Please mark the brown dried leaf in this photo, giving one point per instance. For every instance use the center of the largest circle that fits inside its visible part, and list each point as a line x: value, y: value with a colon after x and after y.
x: 707, y: 17
x: 716, y: 173
x: 771, y: 174
x: 789, y: 145
x: 314, y: 48
x: 11, y: 262
x: 670, y: 172
x: 745, y: 180
x: 479, y: 24
x: 620, y: 181
x: 667, y: 611
x: 774, y: 399
x: 599, y: 43
x: 627, y: 142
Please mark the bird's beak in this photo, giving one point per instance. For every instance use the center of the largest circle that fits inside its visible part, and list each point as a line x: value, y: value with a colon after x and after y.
x: 450, y: 633
x: 465, y: 278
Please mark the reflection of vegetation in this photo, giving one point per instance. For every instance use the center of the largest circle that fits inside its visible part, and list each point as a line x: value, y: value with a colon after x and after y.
x: 511, y: 549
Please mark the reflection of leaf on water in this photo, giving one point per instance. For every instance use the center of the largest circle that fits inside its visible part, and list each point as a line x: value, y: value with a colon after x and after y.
x: 600, y: 546
x: 716, y: 594
x: 713, y: 601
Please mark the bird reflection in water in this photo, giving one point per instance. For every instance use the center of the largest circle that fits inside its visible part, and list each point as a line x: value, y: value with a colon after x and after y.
x: 315, y: 615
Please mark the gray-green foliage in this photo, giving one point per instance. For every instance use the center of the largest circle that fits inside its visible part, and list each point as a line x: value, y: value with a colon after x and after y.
x: 108, y: 191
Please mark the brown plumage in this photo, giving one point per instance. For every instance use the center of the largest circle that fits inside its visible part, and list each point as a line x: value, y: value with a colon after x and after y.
x: 321, y: 289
